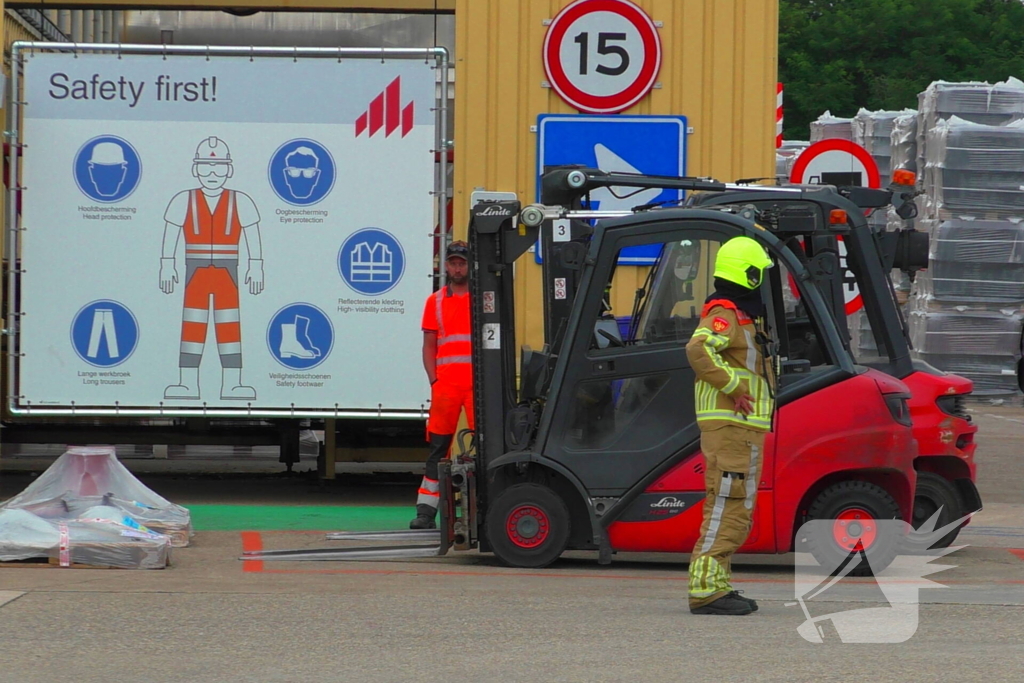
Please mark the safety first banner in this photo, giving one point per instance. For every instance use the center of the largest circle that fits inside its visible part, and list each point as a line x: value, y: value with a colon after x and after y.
x: 226, y: 232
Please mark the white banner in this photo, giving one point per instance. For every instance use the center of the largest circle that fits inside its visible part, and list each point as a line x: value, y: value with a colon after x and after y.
x: 226, y: 232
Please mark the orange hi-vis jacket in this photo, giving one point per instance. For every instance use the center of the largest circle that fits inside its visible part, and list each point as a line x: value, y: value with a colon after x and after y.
x: 212, y: 235
x: 725, y: 355
x: 447, y: 314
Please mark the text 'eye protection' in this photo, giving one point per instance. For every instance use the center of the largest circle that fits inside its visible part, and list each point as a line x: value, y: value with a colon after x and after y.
x: 219, y: 170
x: 294, y: 172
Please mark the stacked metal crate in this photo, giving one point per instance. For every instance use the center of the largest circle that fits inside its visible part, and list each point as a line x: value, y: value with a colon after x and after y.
x: 967, y: 309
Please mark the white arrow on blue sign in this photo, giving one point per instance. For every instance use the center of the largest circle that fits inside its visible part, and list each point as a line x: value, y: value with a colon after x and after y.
x: 653, y: 145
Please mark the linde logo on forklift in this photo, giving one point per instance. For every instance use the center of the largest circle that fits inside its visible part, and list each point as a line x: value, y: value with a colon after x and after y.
x: 495, y: 210
x: 669, y: 502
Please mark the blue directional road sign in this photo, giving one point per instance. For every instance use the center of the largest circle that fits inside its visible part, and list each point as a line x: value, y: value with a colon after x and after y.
x: 371, y: 261
x: 302, y: 172
x: 104, y: 333
x: 300, y: 336
x: 107, y: 169
x: 632, y: 144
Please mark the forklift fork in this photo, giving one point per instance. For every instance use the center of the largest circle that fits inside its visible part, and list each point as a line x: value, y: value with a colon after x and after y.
x: 457, y: 527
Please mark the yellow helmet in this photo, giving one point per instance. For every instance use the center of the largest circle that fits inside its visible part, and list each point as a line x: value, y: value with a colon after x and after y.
x: 742, y: 260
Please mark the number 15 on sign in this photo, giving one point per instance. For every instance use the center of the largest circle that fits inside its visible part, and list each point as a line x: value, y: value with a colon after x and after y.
x: 602, y: 56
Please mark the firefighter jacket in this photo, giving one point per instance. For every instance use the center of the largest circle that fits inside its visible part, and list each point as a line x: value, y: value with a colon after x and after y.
x: 726, y: 356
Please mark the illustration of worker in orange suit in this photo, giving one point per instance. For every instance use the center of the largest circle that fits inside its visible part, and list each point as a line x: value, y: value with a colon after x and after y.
x: 212, y: 219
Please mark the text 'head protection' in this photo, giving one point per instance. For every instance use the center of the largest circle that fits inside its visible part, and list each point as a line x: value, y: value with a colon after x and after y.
x: 742, y: 260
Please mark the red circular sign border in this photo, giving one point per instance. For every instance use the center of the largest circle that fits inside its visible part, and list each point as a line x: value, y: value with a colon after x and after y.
x: 836, y: 145
x: 602, y: 104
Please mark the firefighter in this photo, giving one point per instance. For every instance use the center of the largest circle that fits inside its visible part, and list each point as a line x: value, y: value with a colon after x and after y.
x: 734, y: 389
x: 213, y: 219
x: 447, y: 358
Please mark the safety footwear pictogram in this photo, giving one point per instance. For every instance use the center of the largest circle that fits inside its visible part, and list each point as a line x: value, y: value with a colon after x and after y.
x: 187, y: 387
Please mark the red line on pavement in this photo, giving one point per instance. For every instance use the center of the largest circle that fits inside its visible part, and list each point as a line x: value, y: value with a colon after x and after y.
x: 252, y: 541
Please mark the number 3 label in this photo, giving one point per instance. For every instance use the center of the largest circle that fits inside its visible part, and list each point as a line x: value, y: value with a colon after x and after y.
x: 602, y: 56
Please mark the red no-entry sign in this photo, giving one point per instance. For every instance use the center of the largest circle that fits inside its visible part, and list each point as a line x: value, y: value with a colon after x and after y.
x: 602, y: 56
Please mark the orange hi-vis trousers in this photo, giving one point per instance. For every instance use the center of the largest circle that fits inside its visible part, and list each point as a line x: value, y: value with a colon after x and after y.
x: 220, y: 284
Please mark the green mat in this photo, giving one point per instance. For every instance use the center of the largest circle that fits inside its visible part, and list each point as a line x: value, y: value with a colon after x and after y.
x: 299, y: 517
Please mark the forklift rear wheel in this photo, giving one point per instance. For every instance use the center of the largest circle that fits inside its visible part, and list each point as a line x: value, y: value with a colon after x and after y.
x: 934, y: 494
x: 528, y: 526
x: 847, y: 516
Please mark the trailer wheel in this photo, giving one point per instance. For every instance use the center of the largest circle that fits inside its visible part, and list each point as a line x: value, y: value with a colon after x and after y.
x: 528, y: 526
x: 847, y: 516
x: 935, y: 494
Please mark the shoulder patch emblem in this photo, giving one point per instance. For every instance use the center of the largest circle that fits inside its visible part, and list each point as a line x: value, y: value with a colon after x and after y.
x: 719, y: 324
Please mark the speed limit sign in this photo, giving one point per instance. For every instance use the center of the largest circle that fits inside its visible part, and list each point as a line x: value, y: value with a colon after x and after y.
x: 602, y: 56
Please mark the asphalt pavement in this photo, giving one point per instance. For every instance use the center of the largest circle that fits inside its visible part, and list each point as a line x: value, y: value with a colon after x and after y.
x: 212, y: 617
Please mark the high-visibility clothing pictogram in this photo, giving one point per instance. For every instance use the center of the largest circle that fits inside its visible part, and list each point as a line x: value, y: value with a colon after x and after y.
x: 211, y: 261
x: 372, y: 263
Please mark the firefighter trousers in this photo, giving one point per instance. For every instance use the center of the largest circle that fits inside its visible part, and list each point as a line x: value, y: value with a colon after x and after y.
x: 733, y: 457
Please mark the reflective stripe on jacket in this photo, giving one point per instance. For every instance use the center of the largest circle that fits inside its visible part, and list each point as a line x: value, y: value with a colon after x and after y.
x: 727, y: 360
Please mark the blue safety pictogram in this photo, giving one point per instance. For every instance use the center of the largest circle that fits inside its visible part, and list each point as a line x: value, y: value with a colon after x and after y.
x: 104, y: 333
x: 107, y: 169
x: 300, y: 336
x: 302, y: 172
x: 371, y: 261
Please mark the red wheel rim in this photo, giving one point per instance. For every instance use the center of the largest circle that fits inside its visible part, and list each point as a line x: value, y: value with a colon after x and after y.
x: 527, y: 526
x: 854, y: 529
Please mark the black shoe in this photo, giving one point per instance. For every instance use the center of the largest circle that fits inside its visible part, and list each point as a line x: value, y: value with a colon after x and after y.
x: 424, y: 517
x: 739, y: 596
x: 727, y: 604
x: 422, y: 522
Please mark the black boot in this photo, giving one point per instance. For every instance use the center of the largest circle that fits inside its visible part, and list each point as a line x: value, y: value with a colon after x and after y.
x: 727, y: 604
x: 424, y: 517
x: 739, y: 596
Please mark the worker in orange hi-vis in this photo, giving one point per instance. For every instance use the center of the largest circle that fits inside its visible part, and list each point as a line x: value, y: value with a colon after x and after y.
x: 212, y: 219
x: 447, y: 358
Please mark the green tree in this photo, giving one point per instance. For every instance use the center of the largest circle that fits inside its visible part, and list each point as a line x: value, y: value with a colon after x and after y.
x: 840, y: 55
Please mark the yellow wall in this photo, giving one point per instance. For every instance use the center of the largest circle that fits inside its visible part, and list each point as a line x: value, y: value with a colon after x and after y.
x: 719, y: 69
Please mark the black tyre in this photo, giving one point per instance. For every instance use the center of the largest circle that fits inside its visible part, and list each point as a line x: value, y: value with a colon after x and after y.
x: 935, y: 494
x: 847, y: 516
x: 528, y: 526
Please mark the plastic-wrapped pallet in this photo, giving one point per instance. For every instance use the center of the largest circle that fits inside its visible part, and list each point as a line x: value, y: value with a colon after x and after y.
x: 85, y: 477
x: 977, y: 102
x: 974, y: 169
x: 785, y: 157
x: 903, y: 142
x: 828, y: 127
x: 980, y: 262
x: 92, y: 542
x: 872, y: 130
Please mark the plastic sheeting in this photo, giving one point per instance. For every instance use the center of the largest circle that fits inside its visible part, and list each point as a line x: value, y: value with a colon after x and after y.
x: 87, y: 508
x: 903, y: 142
x: 828, y: 127
x: 785, y: 157
x: 973, y: 169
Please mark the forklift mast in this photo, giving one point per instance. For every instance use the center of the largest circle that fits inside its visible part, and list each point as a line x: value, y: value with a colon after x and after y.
x: 496, y: 241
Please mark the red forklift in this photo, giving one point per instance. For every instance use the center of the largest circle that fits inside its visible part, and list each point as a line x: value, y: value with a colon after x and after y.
x: 596, y: 446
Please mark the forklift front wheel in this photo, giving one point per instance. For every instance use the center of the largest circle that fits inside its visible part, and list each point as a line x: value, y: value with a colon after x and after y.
x: 528, y: 526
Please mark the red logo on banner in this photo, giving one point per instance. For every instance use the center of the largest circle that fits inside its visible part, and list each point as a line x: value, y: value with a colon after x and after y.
x: 385, y: 112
